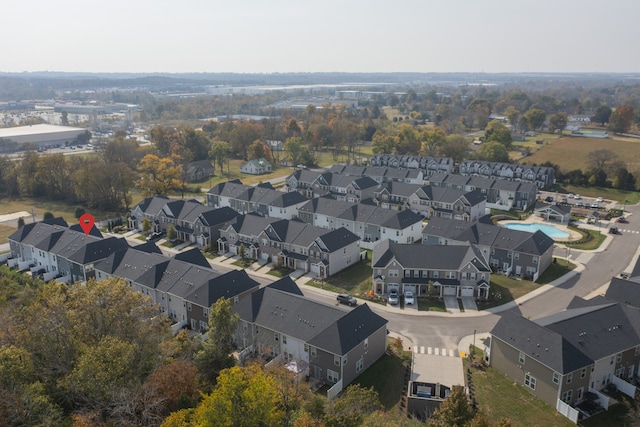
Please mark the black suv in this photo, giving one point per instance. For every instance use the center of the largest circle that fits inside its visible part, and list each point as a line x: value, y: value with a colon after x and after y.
x: 346, y: 299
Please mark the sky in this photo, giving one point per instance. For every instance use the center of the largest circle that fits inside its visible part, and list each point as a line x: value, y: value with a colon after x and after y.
x: 269, y: 36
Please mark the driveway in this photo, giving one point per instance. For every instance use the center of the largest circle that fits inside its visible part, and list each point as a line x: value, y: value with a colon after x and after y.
x: 469, y: 304
x: 451, y: 304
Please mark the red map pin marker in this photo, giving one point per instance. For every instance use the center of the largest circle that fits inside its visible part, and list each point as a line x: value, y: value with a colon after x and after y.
x: 86, y: 223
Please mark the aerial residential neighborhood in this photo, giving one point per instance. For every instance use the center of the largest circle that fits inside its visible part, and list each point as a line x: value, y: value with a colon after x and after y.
x: 200, y: 246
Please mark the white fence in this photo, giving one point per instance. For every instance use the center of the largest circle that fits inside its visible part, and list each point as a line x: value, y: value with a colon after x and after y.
x: 49, y: 276
x: 335, y: 390
x: 603, y: 400
x: 566, y: 410
x: 624, y: 387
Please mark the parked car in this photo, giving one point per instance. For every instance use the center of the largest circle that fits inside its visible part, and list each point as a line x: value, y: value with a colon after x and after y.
x: 346, y: 299
x: 595, y: 206
x: 154, y: 236
x: 613, y: 230
x: 408, y: 298
x: 548, y: 199
x: 570, y: 195
x: 579, y: 205
x: 577, y: 197
x: 621, y: 220
x: 599, y: 200
x: 564, y: 200
x: 393, y: 299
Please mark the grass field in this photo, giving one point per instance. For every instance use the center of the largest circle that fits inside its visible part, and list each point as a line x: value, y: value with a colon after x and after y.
x: 500, y: 397
x: 5, y: 232
x: 386, y: 376
x: 572, y: 153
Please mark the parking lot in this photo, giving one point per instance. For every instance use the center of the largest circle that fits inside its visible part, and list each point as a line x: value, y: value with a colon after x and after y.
x: 575, y: 200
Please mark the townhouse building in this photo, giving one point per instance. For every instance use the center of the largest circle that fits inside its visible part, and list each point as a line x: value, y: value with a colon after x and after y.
x: 427, y: 164
x: 262, y: 199
x: 326, y: 343
x: 500, y: 194
x: 572, y: 358
x: 458, y: 270
x: 370, y: 223
x: 541, y: 176
x: 511, y: 252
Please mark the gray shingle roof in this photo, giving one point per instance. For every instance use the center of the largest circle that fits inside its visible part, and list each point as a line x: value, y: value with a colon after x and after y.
x: 323, y: 326
x: 229, y: 285
x: 598, y: 331
x: 485, y: 233
x: 431, y: 257
x: 541, y: 344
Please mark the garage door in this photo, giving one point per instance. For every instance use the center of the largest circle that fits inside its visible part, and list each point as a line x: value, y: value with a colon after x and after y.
x: 467, y: 291
x: 450, y: 291
x: 410, y: 288
x: 315, y: 268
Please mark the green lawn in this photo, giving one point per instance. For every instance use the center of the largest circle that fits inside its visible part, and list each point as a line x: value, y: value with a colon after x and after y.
x: 5, y: 232
x: 280, y: 271
x: 431, y: 304
x: 555, y: 270
x: 500, y: 397
x: 355, y: 280
x: 505, y: 289
x: 243, y: 263
x: 594, y: 243
x: 386, y: 376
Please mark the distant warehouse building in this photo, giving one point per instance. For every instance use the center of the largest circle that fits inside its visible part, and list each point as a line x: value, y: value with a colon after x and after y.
x: 12, y: 139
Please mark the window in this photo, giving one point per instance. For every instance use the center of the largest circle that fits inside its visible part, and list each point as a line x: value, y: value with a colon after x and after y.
x: 530, y: 381
x: 556, y: 378
x: 579, y: 394
x: 611, y: 360
x: 332, y: 376
x: 276, y: 336
x: 393, y: 273
x: 516, y: 255
x: 205, y: 311
x: 284, y: 339
x: 619, y: 372
x: 583, y: 373
x: 569, y: 378
x: 567, y: 396
x: 306, y: 348
x: 366, y: 343
x: 336, y: 360
x: 521, y: 358
x: 189, y: 306
x: 360, y: 364
x: 619, y: 358
x: 535, y: 259
x: 313, y: 351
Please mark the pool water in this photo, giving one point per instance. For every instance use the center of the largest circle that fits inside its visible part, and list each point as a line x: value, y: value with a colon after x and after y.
x: 549, y: 230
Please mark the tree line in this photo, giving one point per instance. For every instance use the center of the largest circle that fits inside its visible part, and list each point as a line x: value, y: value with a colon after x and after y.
x: 100, y: 354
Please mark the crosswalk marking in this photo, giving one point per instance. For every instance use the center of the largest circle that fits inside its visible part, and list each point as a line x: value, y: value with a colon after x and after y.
x: 436, y: 351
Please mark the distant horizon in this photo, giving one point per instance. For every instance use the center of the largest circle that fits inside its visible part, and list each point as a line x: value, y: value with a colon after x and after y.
x: 283, y: 36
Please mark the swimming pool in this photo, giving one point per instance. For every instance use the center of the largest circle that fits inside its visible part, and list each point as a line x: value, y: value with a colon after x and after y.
x: 549, y: 230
